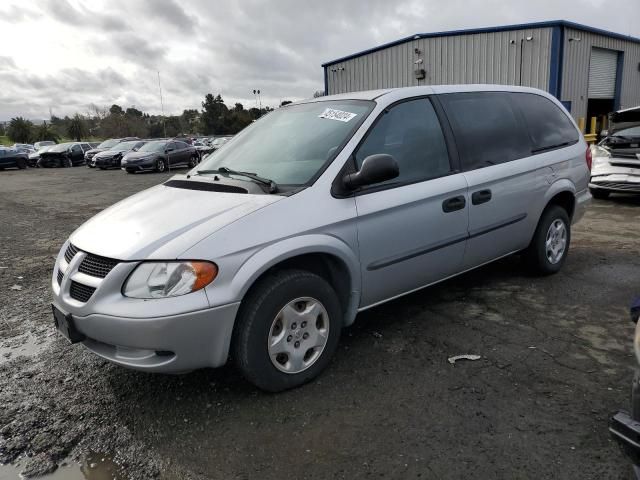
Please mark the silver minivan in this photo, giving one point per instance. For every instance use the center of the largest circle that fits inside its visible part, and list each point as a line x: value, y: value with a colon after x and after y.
x: 320, y: 210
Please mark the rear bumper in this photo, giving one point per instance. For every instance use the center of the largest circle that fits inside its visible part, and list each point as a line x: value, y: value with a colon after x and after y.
x: 170, y: 344
x: 626, y: 431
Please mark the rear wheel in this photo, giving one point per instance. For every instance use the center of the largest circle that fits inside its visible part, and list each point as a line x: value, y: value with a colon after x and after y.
x: 599, y: 194
x: 287, y: 330
x: 550, y: 245
x: 160, y: 165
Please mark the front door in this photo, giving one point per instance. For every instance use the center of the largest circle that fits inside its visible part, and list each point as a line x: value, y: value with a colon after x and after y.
x: 412, y: 230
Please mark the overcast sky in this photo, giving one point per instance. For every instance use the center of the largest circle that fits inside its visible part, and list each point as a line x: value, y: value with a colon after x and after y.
x: 68, y: 54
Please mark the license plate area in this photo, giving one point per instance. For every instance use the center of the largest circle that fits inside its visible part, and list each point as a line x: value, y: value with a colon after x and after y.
x: 66, y: 326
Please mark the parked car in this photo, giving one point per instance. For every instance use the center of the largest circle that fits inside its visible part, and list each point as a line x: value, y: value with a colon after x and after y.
x: 111, y: 158
x: 624, y: 426
x: 315, y: 212
x: 35, y: 156
x: 202, y: 148
x: 159, y: 155
x: 23, y: 147
x: 45, y: 143
x: 616, y: 159
x: 219, y: 142
x: 12, y: 158
x: 106, y: 145
x: 69, y: 154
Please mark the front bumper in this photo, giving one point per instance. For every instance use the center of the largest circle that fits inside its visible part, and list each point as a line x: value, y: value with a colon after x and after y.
x: 138, y: 166
x: 169, y: 335
x: 169, y: 344
x: 626, y: 431
x: 616, y: 177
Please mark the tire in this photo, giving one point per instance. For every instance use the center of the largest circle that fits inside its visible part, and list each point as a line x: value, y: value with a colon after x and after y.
x: 102, y: 168
x: 546, y: 261
x: 160, y: 166
x: 599, y: 194
x: 193, y: 161
x: 128, y: 170
x: 273, y: 308
x: 22, y: 164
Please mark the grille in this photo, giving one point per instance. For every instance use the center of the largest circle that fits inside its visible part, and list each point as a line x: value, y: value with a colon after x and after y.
x: 97, y: 266
x: 70, y: 253
x: 60, y: 275
x: 635, y: 187
x: 81, y: 292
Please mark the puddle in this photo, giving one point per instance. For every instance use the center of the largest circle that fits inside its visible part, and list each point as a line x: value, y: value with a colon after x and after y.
x: 96, y: 466
x: 25, y: 345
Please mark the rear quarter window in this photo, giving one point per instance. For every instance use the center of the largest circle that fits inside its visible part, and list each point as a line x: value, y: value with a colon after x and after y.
x: 549, y: 127
x: 487, y: 128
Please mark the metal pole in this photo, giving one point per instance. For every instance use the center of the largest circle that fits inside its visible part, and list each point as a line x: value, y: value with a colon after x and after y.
x: 164, y: 123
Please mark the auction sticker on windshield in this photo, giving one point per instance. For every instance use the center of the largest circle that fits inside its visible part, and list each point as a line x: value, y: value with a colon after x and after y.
x: 339, y: 115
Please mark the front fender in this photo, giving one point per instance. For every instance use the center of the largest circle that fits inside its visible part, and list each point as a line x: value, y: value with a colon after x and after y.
x: 275, y: 253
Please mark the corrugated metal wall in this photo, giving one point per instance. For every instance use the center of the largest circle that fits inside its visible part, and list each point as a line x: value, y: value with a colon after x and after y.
x: 494, y: 57
x: 575, y: 70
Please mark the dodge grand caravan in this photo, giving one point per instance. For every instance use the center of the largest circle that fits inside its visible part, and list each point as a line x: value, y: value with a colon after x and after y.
x: 320, y: 210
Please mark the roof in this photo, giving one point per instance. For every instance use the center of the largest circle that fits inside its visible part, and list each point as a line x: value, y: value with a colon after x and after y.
x: 504, y: 28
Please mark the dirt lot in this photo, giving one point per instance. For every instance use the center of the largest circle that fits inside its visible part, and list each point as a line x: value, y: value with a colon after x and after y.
x: 556, y: 362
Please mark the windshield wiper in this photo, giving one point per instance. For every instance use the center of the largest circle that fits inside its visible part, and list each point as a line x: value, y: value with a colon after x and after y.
x: 272, y: 186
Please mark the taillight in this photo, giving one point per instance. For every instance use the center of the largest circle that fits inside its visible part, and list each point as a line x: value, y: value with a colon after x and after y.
x: 588, y: 157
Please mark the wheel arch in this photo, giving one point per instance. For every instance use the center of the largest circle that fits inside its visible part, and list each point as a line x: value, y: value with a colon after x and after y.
x: 324, y: 255
x: 563, y: 194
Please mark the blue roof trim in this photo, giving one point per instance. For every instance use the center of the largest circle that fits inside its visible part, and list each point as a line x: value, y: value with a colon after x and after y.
x: 554, y: 66
x: 505, y: 28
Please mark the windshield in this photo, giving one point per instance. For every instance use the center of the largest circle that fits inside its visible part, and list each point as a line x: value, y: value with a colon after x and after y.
x: 46, y: 148
x: 628, y: 132
x: 292, y: 144
x: 124, y: 146
x: 61, y: 147
x: 153, y: 147
x: 108, y: 143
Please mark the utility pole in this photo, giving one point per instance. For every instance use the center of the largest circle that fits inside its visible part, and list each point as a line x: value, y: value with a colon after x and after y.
x: 164, y: 123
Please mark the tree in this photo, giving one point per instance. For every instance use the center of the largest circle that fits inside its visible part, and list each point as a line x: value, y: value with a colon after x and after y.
x: 133, y: 112
x: 214, y: 112
x: 45, y: 132
x: 116, y: 110
x: 77, y: 127
x: 20, y: 130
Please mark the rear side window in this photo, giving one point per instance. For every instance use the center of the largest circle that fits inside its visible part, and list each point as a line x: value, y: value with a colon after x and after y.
x: 411, y: 133
x: 486, y: 128
x: 548, y: 126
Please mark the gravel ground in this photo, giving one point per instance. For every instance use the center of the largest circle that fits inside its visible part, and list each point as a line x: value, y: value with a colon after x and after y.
x: 556, y: 362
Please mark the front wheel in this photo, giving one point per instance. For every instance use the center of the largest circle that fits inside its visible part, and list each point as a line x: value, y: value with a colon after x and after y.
x: 550, y: 245
x: 160, y: 165
x: 22, y: 164
x: 287, y: 330
x: 193, y: 161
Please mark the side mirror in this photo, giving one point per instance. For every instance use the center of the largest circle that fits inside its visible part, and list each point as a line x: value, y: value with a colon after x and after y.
x: 375, y: 169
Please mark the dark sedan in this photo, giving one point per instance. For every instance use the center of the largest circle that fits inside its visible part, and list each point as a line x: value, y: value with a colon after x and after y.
x: 111, y: 158
x: 64, y: 155
x: 106, y: 145
x: 12, y: 158
x: 159, y: 155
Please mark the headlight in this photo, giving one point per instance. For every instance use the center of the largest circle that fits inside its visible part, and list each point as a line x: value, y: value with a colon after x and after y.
x: 169, y: 279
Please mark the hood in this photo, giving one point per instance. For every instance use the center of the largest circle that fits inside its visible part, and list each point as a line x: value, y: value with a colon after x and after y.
x: 108, y: 154
x: 162, y: 222
x: 629, y: 117
x: 138, y: 155
x: 93, y: 151
x: 53, y: 154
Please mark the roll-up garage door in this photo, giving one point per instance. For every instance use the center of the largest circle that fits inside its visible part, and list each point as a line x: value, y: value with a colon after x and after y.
x: 602, y: 73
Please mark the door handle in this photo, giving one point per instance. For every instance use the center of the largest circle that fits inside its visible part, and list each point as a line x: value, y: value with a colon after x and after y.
x: 482, y: 196
x: 454, y: 203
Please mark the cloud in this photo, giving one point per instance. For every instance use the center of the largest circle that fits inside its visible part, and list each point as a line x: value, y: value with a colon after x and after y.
x: 73, y: 53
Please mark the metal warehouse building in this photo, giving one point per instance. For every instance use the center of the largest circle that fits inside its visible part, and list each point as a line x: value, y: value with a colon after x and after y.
x: 592, y: 71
